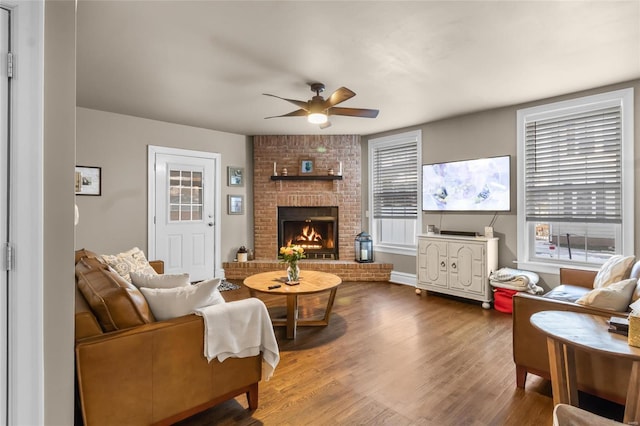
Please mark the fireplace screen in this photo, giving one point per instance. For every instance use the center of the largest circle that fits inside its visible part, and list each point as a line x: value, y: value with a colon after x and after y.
x: 313, y: 228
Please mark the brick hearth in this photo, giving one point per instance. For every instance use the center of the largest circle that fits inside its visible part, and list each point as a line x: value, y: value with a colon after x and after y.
x: 348, y: 270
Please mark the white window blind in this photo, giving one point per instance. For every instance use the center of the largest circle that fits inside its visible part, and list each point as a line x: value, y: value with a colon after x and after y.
x: 573, y: 167
x: 395, y: 181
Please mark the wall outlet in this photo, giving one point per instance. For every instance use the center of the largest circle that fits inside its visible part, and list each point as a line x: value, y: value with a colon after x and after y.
x: 488, y: 231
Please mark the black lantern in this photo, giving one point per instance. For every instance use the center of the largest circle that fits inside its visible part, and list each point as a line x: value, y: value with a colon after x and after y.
x: 364, y: 248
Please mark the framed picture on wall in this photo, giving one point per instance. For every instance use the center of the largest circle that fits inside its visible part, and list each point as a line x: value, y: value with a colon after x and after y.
x: 88, y: 180
x: 235, y: 176
x: 235, y: 204
x: 306, y: 166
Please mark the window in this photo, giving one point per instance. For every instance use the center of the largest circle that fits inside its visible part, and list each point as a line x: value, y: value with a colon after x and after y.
x: 575, y: 182
x: 393, y: 193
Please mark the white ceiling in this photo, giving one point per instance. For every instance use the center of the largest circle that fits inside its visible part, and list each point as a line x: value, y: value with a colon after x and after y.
x: 207, y: 63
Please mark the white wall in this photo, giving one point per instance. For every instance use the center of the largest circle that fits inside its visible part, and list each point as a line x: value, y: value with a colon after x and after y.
x: 117, y: 220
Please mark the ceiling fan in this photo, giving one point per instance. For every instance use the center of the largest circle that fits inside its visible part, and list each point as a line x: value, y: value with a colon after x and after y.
x: 317, y: 109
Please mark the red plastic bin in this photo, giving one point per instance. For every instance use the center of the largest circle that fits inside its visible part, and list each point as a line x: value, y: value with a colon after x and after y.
x: 502, y: 300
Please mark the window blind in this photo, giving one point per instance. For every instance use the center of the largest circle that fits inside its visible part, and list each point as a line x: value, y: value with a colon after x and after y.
x: 573, y: 167
x: 395, y: 181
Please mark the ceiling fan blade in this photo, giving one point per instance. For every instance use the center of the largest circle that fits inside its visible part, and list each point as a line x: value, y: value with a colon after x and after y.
x: 354, y: 112
x: 340, y: 95
x: 296, y: 113
x: 325, y: 125
x: 301, y: 104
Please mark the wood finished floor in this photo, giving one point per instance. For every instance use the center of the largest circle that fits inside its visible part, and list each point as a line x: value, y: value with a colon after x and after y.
x: 390, y: 357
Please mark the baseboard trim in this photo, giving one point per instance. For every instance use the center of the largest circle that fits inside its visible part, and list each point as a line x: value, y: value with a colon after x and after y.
x: 403, y: 278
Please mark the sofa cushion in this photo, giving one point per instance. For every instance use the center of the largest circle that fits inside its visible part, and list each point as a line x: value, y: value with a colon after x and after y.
x: 133, y: 260
x: 566, y: 293
x: 116, y: 303
x: 615, y: 269
x: 159, y: 281
x: 175, y: 302
x: 614, y: 297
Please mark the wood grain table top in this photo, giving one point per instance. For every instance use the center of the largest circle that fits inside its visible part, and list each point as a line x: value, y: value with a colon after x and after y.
x: 585, y: 331
x: 310, y: 282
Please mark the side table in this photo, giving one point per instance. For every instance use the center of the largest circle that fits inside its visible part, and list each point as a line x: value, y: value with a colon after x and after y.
x: 568, y: 331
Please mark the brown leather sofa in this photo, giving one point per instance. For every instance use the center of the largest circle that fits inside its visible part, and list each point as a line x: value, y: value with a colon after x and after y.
x: 602, y: 376
x: 145, y: 372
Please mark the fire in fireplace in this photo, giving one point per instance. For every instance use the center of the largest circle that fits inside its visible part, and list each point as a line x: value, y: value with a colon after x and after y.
x: 314, y: 228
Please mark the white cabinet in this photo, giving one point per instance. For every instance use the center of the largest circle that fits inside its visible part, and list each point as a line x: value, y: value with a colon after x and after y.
x: 456, y: 265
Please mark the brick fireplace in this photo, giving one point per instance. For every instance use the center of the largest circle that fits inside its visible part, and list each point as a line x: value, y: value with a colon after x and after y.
x: 315, y: 189
x: 288, y: 152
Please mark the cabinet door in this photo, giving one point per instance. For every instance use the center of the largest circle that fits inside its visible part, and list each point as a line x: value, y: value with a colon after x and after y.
x: 432, y: 268
x: 465, y: 268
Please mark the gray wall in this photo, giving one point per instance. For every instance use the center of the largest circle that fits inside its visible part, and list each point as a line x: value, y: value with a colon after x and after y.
x: 59, y: 138
x: 117, y: 220
x: 485, y: 134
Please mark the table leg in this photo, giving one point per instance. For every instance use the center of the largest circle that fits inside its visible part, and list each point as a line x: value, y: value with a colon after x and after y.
x: 632, y: 406
x: 292, y: 315
x: 563, y: 373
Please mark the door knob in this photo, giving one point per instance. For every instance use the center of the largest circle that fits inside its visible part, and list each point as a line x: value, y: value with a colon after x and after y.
x: 210, y: 223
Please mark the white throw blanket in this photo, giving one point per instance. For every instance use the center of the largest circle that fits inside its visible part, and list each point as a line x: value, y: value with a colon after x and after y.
x: 240, y: 329
x: 516, y: 279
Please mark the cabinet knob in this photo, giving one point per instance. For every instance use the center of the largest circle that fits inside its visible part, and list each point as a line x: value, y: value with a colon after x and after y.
x: 453, y: 265
x: 442, y: 264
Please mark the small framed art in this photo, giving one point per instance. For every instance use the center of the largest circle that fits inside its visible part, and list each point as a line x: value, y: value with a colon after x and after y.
x: 235, y: 176
x: 306, y: 166
x: 88, y: 180
x: 235, y: 204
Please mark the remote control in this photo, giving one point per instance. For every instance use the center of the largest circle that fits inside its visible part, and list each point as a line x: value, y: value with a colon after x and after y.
x: 271, y: 287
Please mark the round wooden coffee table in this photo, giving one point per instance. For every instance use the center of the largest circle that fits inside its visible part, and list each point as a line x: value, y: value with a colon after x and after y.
x: 310, y: 282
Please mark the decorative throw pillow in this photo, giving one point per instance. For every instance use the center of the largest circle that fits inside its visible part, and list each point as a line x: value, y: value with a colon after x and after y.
x: 116, y: 303
x: 133, y: 260
x: 615, y: 269
x: 159, y: 281
x: 175, y: 302
x: 614, y: 297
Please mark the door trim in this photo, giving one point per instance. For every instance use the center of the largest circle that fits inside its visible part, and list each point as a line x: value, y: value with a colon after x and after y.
x: 152, y: 152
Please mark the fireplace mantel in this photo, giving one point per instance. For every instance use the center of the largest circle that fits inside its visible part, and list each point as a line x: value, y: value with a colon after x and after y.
x: 301, y: 177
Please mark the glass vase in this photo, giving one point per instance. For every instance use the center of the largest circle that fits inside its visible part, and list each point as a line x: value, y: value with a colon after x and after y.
x: 293, y: 274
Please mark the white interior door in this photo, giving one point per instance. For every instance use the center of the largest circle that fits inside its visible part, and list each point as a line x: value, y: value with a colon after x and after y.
x: 4, y: 207
x: 185, y: 211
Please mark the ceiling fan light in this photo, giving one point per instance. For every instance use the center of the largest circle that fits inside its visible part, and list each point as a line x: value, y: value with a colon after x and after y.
x: 317, y: 118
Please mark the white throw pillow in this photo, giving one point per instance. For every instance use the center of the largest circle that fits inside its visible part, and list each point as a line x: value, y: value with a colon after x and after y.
x: 614, y: 297
x: 166, y: 303
x: 133, y: 260
x: 159, y: 281
x: 613, y: 270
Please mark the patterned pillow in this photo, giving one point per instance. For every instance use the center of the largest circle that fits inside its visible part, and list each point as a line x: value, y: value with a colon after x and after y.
x: 133, y: 260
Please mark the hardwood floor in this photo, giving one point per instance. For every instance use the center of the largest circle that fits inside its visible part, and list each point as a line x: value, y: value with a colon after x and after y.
x: 391, y: 357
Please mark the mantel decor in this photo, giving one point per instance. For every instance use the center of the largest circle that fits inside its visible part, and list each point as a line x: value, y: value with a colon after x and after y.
x: 88, y: 180
x: 306, y: 166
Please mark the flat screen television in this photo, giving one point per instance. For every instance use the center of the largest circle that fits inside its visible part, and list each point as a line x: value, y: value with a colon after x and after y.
x: 481, y: 184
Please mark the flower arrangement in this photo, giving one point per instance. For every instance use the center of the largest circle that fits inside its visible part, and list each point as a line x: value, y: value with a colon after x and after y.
x: 290, y: 255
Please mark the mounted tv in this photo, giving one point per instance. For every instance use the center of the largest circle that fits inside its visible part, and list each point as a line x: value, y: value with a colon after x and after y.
x: 476, y: 185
